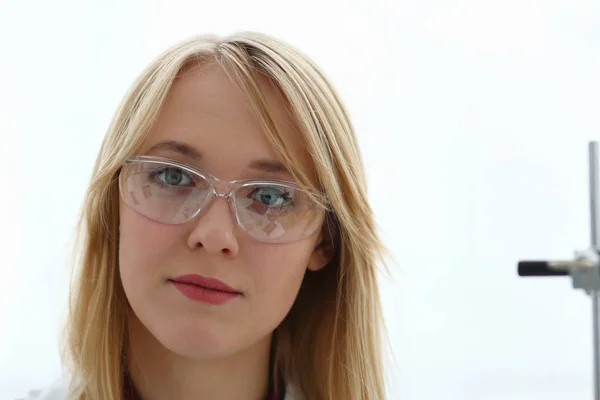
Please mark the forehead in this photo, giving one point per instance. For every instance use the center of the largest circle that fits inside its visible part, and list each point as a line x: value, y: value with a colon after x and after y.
x: 205, y: 110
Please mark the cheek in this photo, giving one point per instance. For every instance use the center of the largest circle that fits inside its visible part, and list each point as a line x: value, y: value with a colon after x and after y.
x: 278, y: 274
x: 142, y: 245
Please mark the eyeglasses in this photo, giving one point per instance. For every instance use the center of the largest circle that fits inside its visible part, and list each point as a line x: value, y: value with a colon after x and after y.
x: 171, y: 192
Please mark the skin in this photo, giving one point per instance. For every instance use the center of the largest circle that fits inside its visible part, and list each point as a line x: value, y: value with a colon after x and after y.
x: 185, y: 349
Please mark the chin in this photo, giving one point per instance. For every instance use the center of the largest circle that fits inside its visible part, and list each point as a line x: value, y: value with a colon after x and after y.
x: 197, y: 343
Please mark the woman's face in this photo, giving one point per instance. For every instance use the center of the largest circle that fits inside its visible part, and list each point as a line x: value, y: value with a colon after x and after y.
x: 204, y: 111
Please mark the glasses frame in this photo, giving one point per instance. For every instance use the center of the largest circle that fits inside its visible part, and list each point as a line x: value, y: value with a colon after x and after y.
x: 228, y: 194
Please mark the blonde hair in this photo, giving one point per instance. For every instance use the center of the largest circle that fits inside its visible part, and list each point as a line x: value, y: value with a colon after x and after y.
x: 330, y: 344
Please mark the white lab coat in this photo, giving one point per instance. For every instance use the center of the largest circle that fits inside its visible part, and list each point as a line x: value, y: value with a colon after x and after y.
x: 59, y: 390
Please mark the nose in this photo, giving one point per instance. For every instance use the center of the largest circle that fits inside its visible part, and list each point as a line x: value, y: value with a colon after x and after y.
x: 215, y: 229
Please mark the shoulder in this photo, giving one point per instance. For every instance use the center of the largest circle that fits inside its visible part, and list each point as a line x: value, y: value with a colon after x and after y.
x: 293, y: 393
x: 57, y: 391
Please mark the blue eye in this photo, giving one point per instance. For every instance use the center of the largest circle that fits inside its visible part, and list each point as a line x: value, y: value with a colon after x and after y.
x: 171, y: 176
x: 271, y: 196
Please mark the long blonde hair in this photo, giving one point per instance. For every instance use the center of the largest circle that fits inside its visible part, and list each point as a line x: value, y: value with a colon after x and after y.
x: 330, y: 344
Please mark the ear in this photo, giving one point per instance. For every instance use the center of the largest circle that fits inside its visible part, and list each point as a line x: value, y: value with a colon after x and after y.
x: 325, y: 247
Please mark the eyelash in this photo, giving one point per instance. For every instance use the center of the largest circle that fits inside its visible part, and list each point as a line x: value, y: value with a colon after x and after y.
x: 153, y: 177
x: 285, y: 195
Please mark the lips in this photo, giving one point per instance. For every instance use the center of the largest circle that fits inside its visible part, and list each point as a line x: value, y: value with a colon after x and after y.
x: 205, y: 290
x: 206, y: 283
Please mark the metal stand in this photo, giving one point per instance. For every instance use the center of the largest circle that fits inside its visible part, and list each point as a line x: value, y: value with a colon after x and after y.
x: 585, y: 268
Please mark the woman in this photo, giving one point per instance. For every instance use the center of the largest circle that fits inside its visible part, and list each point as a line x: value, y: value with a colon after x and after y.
x: 228, y: 250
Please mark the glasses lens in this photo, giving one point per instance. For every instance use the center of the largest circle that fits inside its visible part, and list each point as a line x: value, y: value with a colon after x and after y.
x: 276, y: 212
x: 162, y: 192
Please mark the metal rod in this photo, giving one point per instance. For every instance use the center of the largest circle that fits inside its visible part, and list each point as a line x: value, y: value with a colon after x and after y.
x: 594, y: 195
x: 594, y: 227
x: 596, y: 309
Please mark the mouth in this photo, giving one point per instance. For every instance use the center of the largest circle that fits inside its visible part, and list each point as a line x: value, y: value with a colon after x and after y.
x: 203, y: 287
x: 206, y: 283
x: 206, y: 290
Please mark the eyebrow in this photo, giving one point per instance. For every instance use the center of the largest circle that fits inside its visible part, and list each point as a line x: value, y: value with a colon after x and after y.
x: 263, y: 165
x: 177, y: 147
x: 268, y: 166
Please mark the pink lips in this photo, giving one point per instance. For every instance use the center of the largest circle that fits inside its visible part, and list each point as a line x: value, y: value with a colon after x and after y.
x: 207, y: 290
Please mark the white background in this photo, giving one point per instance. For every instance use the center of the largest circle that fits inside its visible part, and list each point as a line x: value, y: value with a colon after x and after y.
x: 473, y: 116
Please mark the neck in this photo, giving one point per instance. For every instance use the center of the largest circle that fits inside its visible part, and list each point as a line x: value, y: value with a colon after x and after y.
x: 157, y: 373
